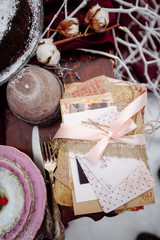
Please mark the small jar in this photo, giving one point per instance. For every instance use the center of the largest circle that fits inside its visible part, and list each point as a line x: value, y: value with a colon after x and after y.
x: 34, y: 95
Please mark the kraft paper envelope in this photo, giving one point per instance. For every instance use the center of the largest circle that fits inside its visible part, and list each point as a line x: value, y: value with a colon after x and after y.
x: 85, y: 207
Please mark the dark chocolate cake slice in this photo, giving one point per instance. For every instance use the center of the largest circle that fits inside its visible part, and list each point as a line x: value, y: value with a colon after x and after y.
x: 15, y: 21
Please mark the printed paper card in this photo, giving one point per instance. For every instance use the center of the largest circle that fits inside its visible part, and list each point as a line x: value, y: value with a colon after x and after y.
x: 71, y: 105
x: 111, y: 171
x: 97, y: 85
x: 83, y: 192
x: 133, y: 186
x: 79, y: 117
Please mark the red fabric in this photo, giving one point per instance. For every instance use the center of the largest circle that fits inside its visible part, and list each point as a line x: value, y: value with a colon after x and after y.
x: 52, y: 6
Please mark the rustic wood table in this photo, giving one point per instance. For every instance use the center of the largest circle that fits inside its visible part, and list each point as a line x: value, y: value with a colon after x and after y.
x: 17, y: 133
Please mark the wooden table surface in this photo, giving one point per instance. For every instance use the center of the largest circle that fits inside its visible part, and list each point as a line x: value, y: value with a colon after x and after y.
x: 17, y: 133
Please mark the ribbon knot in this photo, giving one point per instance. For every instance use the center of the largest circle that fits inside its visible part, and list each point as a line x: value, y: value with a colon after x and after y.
x: 110, y: 134
x: 98, y: 149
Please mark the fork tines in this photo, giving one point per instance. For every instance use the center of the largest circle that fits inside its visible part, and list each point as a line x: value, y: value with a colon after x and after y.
x: 46, y: 148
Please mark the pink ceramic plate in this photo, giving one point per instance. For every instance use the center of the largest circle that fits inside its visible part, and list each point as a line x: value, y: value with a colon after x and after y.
x: 25, y: 163
x: 27, y: 195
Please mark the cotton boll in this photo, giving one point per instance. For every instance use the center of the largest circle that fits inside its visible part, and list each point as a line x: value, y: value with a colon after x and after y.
x: 90, y: 14
x: 68, y: 27
x: 97, y: 18
x: 102, y: 17
x: 47, y: 53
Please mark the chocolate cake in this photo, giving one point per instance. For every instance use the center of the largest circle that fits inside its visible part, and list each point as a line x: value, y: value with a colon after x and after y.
x: 15, y: 21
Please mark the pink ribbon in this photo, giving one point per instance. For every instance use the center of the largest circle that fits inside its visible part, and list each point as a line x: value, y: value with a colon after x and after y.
x: 116, y: 133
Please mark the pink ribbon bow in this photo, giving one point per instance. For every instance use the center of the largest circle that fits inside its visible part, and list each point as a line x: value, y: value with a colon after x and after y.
x: 116, y: 133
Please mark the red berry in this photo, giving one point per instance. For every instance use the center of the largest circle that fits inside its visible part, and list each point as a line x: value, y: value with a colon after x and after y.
x: 3, y: 201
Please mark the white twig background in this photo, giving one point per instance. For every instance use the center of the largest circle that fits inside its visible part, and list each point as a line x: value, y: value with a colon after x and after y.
x: 142, y: 47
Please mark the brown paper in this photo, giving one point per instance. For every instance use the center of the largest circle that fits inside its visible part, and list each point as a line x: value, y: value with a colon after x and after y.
x: 62, y: 192
x: 62, y: 171
x: 94, y: 86
x: 85, y: 207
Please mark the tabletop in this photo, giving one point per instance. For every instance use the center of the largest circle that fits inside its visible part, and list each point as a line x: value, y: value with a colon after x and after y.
x: 75, y: 66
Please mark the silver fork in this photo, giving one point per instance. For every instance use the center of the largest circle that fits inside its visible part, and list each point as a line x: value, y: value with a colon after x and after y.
x: 49, y: 226
x: 49, y: 158
x: 50, y: 165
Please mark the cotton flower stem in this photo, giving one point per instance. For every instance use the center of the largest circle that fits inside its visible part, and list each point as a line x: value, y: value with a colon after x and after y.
x: 87, y: 28
x: 85, y: 35
x: 51, y: 30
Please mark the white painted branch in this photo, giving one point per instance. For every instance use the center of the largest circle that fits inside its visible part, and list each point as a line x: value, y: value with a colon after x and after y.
x: 65, y: 9
x: 134, y: 46
x: 82, y: 5
x: 53, y: 19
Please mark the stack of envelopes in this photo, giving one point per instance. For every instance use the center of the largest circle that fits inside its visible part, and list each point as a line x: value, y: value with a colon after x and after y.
x: 102, y: 161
